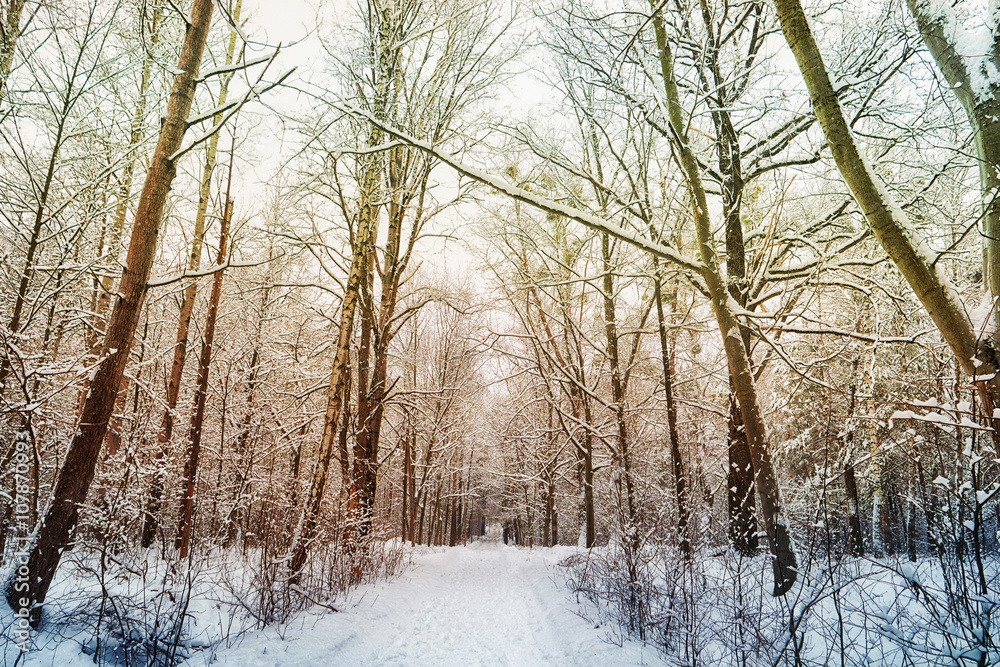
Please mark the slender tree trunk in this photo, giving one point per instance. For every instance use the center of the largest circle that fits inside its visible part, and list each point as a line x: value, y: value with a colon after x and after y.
x: 361, y: 498
x: 551, y: 532
x: 784, y: 559
x: 189, y: 479
x: 295, y: 464
x: 375, y: 337
x: 407, y: 465
x: 362, y: 249
x: 677, y: 463
x: 453, y: 510
x: 618, y: 395
x: 855, y: 539
x: 77, y: 471
x: 154, y: 502
x: 911, y: 526
x: 589, y: 512
x: 856, y: 542
x: 432, y: 529
x: 424, y: 494
x: 388, y: 54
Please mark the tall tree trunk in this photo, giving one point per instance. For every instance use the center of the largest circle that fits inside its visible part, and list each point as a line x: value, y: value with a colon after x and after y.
x: 855, y: 538
x: 81, y: 459
x: 784, y: 559
x: 244, y: 458
x: 407, y: 484
x: 585, y: 451
x: 740, y: 477
x: 624, y: 472
x: 589, y: 513
x: 677, y: 463
x: 740, y: 482
x: 363, y: 241
x: 856, y: 543
x: 376, y: 336
x: 423, y: 492
x: 453, y: 509
x: 977, y: 354
x: 154, y: 501
x: 189, y: 478
x: 361, y: 498
x: 982, y: 107
x: 388, y: 54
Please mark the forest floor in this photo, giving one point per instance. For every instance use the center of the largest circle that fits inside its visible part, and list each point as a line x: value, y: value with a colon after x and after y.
x: 485, y: 604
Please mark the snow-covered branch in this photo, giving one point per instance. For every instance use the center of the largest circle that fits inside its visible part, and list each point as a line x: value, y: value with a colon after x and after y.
x: 532, y: 199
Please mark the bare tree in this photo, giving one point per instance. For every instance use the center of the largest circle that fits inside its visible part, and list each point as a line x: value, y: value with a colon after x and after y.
x: 81, y: 459
x: 151, y: 516
x: 974, y: 347
x: 189, y: 478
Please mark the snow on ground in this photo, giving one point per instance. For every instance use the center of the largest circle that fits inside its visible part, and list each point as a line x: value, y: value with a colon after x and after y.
x: 485, y: 604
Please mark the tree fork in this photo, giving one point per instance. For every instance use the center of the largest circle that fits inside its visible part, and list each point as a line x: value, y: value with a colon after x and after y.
x: 784, y: 560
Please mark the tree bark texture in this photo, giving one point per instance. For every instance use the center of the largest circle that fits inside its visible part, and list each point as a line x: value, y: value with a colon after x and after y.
x: 10, y: 31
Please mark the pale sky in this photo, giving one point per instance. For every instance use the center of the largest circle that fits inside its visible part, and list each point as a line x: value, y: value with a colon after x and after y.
x: 295, y: 23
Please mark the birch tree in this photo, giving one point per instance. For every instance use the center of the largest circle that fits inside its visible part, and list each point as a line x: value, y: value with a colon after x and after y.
x: 969, y: 57
x: 10, y: 30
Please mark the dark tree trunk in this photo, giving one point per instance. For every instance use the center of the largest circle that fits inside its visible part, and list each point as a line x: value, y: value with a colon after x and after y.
x: 189, y: 479
x: 855, y: 537
x: 77, y: 471
x: 453, y: 532
x: 742, y: 503
x: 618, y: 386
x: 667, y: 358
x: 405, y: 509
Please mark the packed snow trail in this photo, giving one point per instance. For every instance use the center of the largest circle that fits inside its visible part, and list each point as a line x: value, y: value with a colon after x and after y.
x: 482, y: 605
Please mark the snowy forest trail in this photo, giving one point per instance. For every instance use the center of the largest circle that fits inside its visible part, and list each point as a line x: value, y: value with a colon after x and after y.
x: 481, y: 605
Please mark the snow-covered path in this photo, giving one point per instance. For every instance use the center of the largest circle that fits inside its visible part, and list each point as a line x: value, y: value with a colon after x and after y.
x: 485, y: 604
